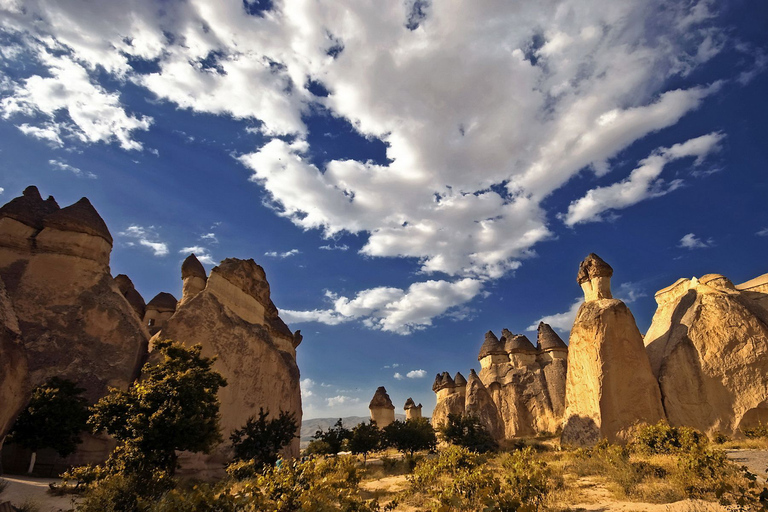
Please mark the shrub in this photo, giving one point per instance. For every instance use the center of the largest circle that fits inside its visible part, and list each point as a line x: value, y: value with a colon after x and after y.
x: 467, y: 431
x: 720, y: 438
x: 664, y: 439
x: 759, y: 431
x: 260, y: 439
x: 332, y: 438
x: 410, y: 436
x: 365, y: 438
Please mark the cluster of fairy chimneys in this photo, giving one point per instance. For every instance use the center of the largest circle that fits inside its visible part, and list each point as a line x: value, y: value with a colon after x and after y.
x: 383, y: 410
x: 517, y: 349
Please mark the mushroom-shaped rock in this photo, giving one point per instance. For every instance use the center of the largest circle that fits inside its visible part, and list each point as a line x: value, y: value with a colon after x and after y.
x: 77, y: 230
x: 162, y: 302
x: 134, y: 298
x: 436, y: 386
x: 491, y: 346
x: 459, y: 380
x: 194, y: 278
x: 80, y: 217
x: 381, y: 407
x: 594, y: 277
x: 514, y: 343
x: 192, y: 268
x: 29, y: 208
x: 447, y: 381
x: 548, y: 339
x: 409, y: 404
x: 412, y: 411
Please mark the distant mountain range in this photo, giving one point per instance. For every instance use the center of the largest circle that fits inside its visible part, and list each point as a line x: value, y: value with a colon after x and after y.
x: 309, y: 427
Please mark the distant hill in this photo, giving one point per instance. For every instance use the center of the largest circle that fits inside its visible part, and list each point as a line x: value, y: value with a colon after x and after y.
x: 309, y: 427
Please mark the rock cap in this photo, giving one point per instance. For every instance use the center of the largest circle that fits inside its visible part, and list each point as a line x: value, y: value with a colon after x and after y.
x: 192, y: 268
x: 437, y: 383
x: 459, y: 380
x: 514, y: 343
x: 381, y: 400
x: 548, y: 339
x: 163, y: 302
x: 593, y: 266
x: 491, y: 346
x: 409, y: 404
x: 29, y: 208
x: 80, y: 217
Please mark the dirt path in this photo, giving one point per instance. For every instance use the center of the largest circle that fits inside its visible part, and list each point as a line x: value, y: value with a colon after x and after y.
x: 34, y: 491
x: 755, y: 460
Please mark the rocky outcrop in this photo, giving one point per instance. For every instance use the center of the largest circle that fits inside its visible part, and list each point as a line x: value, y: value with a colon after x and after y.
x: 234, y: 319
x: 193, y: 277
x: 134, y: 298
x: 14, y: 375
x: 526, y: 385
x: 73, y: 320
x: 708, y: 346
x: 412, y: 411
x: 480, y: 405
x: 610, y: 387
x: 381, y: 407
x: 158, y: 311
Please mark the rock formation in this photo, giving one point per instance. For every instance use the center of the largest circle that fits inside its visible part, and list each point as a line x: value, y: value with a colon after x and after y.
x: 381, y: 407
x: 14, y: 375
x: 134, y: 298
x: 526, y: 385
x: 233, y: 318
x: 412, y: 411
x: 708, y: 346
x: 158, y: 311
x: 610, y: 386
x: 73, y: 321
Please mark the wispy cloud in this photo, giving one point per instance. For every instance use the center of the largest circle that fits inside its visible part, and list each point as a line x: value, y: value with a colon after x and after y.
x: 334, y: 247
x: 335, y: 401
x: 201, y: 253
x: 560, y: 321
x: 282, y: 255
x: 146, y: 237
x: 762, y: 232
x: 63, y: 166
x: 691, y: 241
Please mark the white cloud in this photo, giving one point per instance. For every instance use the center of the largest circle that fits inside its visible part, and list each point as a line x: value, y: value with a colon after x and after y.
x: 335, y: 401
x: 282, y: 255
x: 629, y: 292
x: 50, y: 132
x: 470, y: 158
x: 762, y: 232
x: 560, y: 321
x: 211, y: 237
x: 416, y: 374
x: 334, y: 247
x: 63, y: 166
x: 393, y: 309
x: 306, y: 386
x: 2, y: 190
x: 642, y: 183
x: 202, y: 254
x: 691, y: 241
x: 146, y: 237
x: 398, y: 376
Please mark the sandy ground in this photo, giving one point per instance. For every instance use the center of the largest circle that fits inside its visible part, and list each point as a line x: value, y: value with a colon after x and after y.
x: 755, y: 460
x: 34, y: 491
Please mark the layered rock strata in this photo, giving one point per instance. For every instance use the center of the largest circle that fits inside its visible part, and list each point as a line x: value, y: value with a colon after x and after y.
x: 381, y: 407
x: 610, y: 387
x: 708, y: 346
x: 233, y: 318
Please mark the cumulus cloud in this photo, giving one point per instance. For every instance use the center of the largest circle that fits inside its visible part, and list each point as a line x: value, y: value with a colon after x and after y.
x: 393, y: 309
x: 398, y: 376
x: 642, y: 183
x: 306, y: 386
x: 338, y: 400
x: 146, y: 237
x: 537, y: 93
x: 63, y: 166
x: 416, y: 374
x: 691, y: 241
x: 282, y: 255
x: 560, y: 321
x: 202, y: 254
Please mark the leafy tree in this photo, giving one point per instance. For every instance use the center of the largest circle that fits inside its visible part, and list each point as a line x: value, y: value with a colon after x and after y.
x: 365, y: 438
x: 411, y: 435
x: 467, y: 431
x: 172, y: 407
x: 333, y: 437
x: 260, y: 439
x: 56, y: 415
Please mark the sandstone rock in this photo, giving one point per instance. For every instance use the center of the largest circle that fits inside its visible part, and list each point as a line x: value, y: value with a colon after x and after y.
x: 134, y: 298
x: 594, y: 277
x: 193, y: 277
x: 234, y: 319
x: 14, y: 376
x: 451, y: 397
x: 609, y: 387
x: 412, y: 411
x: 381, y: 407
x: 480, y: 405
x: 708, y: 346
x: 22, y: 218
x: 158, y: 311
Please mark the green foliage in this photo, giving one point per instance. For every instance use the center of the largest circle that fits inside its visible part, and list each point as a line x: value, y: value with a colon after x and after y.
x: 410, y: 436
x: 664, y: 439
x: 467, y: 431
x: 334, y: 437
x: 260, y: 439
x: 55, y: 417
x: 459, y: 479
x: 172, y: 407
x: 720, y: 438
x: 124, y: 492
x: 759, y: 431
x: 318, y: 447
x: 365, y: 438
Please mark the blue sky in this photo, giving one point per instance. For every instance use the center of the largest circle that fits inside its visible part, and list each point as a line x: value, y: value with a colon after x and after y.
x: 410, y: 174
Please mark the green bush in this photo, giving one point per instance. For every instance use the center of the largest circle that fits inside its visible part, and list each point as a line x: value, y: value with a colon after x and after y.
x: 664, y: 439
x: 468, y: 431
x: 260, y: 440
x: 410, y: 436
x: 331, y: 439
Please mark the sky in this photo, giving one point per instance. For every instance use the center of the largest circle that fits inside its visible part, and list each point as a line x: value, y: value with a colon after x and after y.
x: 410, y: 174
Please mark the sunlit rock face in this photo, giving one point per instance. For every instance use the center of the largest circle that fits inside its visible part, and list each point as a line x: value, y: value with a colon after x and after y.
x: 233, y: 318
x: 708, y: 346
x: 525, y: 385
x: 73, y: 320
x: 610, y: 387
x: 381, y: 407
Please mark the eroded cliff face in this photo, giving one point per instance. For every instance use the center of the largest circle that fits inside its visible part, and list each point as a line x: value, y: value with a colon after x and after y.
x: 233, y: 318
x: 708, y: 346
x: 14, y: 374
x: 73, y: 321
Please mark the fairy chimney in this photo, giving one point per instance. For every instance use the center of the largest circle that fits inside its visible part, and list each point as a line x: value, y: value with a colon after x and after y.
x: 381, y: 407
x: 492, y: 351
x: 412, y: 411
x: 158, y: 311
x: 460, y: 384
x: 193, y: 276
x: 594, y: 277
x: 519, y: 349
x: 550, y: 345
